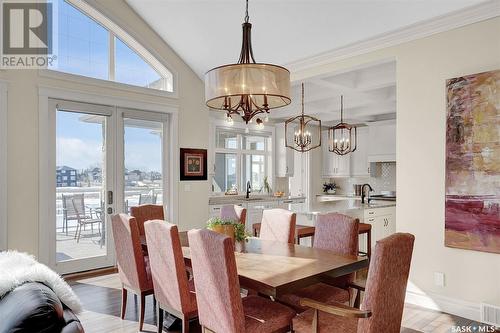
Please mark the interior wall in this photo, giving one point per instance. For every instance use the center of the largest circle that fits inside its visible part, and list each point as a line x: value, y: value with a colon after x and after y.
x: 422, y: 68
x: 23, y: 121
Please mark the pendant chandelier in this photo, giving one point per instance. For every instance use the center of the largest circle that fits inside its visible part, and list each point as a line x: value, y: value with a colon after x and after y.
x: 342, y: 137
x: 247, y: 88
x: 303, y: 128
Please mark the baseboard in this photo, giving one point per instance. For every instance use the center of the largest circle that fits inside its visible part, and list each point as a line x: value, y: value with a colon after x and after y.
x: 449, y: 305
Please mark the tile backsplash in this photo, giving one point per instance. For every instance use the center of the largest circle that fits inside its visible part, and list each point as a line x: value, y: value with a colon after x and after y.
x: 383, y: 178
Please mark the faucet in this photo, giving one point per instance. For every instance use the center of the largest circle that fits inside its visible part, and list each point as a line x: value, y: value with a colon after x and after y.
x: 249, y: 189
x: 363, y: 195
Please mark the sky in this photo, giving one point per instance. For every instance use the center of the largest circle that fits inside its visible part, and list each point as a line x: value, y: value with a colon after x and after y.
x: 80, y: 143
x: 82, y: 48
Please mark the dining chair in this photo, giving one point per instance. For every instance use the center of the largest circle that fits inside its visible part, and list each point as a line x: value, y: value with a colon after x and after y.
x: 383, y: 303
x: 133, y: 266
x: 234, y: 212
x: 173, y: 291
x: 143, y: 213
x: 337, y: 233
x: 278, y: 225
x: 220, y: 306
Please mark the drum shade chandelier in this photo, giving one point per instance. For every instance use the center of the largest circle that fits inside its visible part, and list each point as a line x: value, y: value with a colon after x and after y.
x: 247, y: 88
x: 306, y: 131
x: 342, y: 137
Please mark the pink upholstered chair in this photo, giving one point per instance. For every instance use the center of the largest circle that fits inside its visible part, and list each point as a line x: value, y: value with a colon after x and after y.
x: 234, y: 212
x: 145, y: 213
x: 278, y: 225
x: 382, y: 307
x: 133, y: 266
x: 337, y: 233
x: 220, y: 307
x: 172, y: 290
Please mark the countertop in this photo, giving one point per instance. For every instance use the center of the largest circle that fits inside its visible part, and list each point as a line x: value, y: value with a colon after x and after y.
x: 348, y: 207
x: 238, y: 199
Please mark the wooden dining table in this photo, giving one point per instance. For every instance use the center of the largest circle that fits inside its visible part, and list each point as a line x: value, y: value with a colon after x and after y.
x: 273, y: 268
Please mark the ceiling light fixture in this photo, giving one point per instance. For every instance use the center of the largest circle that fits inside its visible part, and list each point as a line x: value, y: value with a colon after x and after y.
x: 303, y: 128
x: 342, y: 137
x: 247, y: 88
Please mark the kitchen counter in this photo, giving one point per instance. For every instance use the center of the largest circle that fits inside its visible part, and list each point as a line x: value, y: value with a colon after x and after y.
x: 238, y: 199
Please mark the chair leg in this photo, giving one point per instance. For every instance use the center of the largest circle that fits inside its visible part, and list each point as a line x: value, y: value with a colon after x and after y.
x: 357, y: 300
x: 185, y: 324
x: 141, y: 311
x: 124, y: 302
x: 160, y: 319
x: 79, y: 233
x: 76, y: 232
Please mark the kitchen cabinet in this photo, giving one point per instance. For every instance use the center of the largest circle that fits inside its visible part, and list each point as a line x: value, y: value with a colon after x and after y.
x: 382, y: 142
x: 383, y: 222
x: 360, y: 167
x: 283, y: 156
x: 333, y: 165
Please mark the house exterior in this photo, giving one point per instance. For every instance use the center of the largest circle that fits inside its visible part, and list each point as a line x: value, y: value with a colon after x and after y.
x: 66, y: 176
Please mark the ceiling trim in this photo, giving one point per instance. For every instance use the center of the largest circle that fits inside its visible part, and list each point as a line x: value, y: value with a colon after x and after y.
x: 453, y: 20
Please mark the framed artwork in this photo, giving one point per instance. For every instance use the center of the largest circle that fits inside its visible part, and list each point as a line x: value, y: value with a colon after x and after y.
x: 193, y: 164
x: 472, y: 213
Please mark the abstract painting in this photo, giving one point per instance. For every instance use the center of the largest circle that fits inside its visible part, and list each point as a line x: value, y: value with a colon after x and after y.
x: 472, y: 218
x: 193, y: 164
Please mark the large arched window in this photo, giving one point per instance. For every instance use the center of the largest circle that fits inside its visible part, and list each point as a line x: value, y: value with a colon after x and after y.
x: 89, y: 44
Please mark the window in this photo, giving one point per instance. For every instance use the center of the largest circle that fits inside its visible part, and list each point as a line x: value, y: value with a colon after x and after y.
x: 239, y: 158
x: 85, y: 47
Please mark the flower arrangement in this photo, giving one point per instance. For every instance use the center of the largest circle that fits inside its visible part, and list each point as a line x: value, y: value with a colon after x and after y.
x: 329, y: 187
x: 231, y: 228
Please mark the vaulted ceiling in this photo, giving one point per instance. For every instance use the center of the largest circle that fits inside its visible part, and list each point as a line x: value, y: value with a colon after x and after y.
x: 207, y: 33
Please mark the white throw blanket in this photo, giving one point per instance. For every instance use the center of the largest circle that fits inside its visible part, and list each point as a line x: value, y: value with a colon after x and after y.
x: 18, y: 268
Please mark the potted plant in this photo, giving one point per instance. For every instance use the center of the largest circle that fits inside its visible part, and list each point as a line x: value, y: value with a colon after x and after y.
x: 329, y: 187
x: 231, y: 228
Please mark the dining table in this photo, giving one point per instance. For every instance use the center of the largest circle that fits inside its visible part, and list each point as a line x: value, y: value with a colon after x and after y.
x: 273, y: 268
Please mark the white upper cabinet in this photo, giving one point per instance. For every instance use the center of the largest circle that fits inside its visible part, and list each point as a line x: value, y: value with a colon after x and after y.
x: 334, y: 165
x: 382, y: 142
x: 283, y: 156
x: 360, y: 167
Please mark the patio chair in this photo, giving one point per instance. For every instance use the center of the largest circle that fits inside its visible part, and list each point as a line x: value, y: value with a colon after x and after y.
x: 149, y: 198
x: 83, y: 215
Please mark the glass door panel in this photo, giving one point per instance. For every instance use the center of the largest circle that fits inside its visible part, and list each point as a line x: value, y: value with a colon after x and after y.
x: 81, y: 185
x: 143, y: 162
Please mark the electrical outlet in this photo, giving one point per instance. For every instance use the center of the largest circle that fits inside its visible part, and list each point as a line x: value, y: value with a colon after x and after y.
x: 439, y: 279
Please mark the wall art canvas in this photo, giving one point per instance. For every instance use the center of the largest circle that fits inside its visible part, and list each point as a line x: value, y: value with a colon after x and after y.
x: 472, y: 218
x: 193, y: 164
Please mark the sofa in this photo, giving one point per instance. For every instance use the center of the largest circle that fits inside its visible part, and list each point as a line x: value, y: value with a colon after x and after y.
x: 34, y: 307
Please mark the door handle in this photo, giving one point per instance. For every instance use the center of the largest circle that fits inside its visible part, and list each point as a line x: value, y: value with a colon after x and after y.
x: 109, y: 210
x: 110, y: 197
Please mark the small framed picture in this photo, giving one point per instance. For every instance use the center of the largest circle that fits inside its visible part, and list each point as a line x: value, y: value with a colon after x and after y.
x: 193, y: 164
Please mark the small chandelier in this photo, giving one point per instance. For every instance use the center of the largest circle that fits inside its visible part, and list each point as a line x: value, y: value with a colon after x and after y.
x: 342, y: 137
x: 247, y: 88
x: 303, y: 126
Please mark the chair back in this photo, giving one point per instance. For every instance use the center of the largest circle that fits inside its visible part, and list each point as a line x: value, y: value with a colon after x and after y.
x: 74, y: 205
x: 131, y: 265
x: 234, y: 212
x: 386, y: 284
x: 145, y: 213
x: 147, y: 199
x: 168, y: 271
x: 220, y: 308
x: 278, y: 225
x: 338, y: 233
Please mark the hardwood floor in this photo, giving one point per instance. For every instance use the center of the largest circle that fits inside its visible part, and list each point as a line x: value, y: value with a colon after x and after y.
x: 101, y: 300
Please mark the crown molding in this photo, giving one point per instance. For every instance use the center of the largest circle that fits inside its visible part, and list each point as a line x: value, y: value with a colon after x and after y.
x: 453, y: 20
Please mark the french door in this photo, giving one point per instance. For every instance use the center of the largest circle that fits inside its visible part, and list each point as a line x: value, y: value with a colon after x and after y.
x: 106, y: 159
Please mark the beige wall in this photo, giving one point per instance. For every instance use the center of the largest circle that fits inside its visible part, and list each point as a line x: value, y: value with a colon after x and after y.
x: 23, y: 154
x: 422, y: 69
